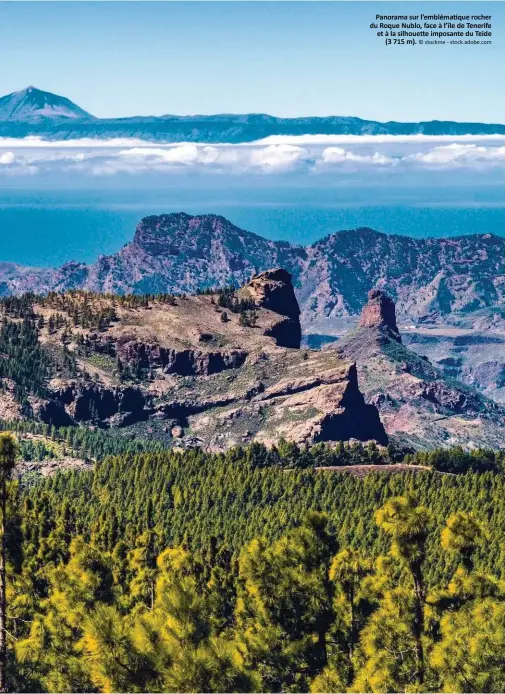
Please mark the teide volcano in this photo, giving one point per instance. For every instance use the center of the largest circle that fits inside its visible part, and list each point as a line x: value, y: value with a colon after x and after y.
x: 32, y: 105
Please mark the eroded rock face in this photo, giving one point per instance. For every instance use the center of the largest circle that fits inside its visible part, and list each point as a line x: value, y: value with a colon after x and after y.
x: 476, y: 359
x: 420, y: 406
x: 441, y: 394
x: 185, y: 362
x: 380, y: 312
x: 286, y: 395
x: 273, y: 290
x: 52, y: 412
x: 302, y: 398
x: 330, y: 408
x: 91, y: 402
x: 199, y: 380
x: 286, y: 333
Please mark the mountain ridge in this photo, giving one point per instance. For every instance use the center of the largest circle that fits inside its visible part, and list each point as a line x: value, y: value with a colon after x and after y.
x: 230, y: 128
x: 223, y: 368
x: 428, y: 278
x: 214, y: 370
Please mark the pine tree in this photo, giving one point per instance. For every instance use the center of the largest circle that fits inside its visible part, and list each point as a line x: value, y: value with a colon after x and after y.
x: 471, y: 652
x: 347, y: 571
x: 114, y: 662
x: 407, y: 524
x: 52, y: 647
x: 462, y: 535
x: 8, y: 452
x: 283, y: 610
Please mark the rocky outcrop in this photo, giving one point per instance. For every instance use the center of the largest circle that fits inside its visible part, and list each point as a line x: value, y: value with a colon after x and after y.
x: 453, y: 399
x: 92, y: 402
x: 273, y: 290
x: 52, y: 412
x: 379, y: 312
x: 333, y: 406
x: 428, y: 278
x: 297, y: 396
x: 177, y: 369
x: 183, y: 362
x: 474, y: 358
x: 285, y: 395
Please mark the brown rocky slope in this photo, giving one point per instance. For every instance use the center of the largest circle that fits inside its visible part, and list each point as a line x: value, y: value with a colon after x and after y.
x: 449, y: 293
x: 203, y: 371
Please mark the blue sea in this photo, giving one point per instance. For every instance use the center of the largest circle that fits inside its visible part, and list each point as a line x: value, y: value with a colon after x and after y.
x: 47, y: 227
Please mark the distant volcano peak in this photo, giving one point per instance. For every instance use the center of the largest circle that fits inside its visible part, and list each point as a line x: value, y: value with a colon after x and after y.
x: 33, y: 105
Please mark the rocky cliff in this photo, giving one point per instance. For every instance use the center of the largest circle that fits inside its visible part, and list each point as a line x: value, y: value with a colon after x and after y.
x: 212, y: 370
x: 380, y: 313
x: 221, y: 369
x: 274, y: 291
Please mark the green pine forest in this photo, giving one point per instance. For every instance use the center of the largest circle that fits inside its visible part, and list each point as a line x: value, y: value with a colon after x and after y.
x: 253, y: 571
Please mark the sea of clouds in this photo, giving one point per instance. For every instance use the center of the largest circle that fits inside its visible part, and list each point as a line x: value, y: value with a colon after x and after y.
x: 310, y: 154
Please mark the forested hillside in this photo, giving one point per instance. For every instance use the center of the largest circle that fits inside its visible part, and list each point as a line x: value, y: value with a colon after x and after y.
x: 252, y: 570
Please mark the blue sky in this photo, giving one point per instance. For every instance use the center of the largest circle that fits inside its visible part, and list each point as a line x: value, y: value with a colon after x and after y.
x: 287, y: 59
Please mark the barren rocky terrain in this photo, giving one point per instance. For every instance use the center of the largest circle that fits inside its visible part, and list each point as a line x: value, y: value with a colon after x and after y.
x: 220, y: 369
x: 193, y: 372
x: 206, y: 378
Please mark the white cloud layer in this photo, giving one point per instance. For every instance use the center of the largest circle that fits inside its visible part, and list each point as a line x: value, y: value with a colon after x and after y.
x: 457, y: 154
x: 123, y: 156
x: 7, y: 158
x: 304, y: 140
x: 338, y: 155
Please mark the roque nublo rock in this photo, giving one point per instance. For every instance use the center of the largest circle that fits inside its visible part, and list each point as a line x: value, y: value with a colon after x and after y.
x: 420, y: 406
